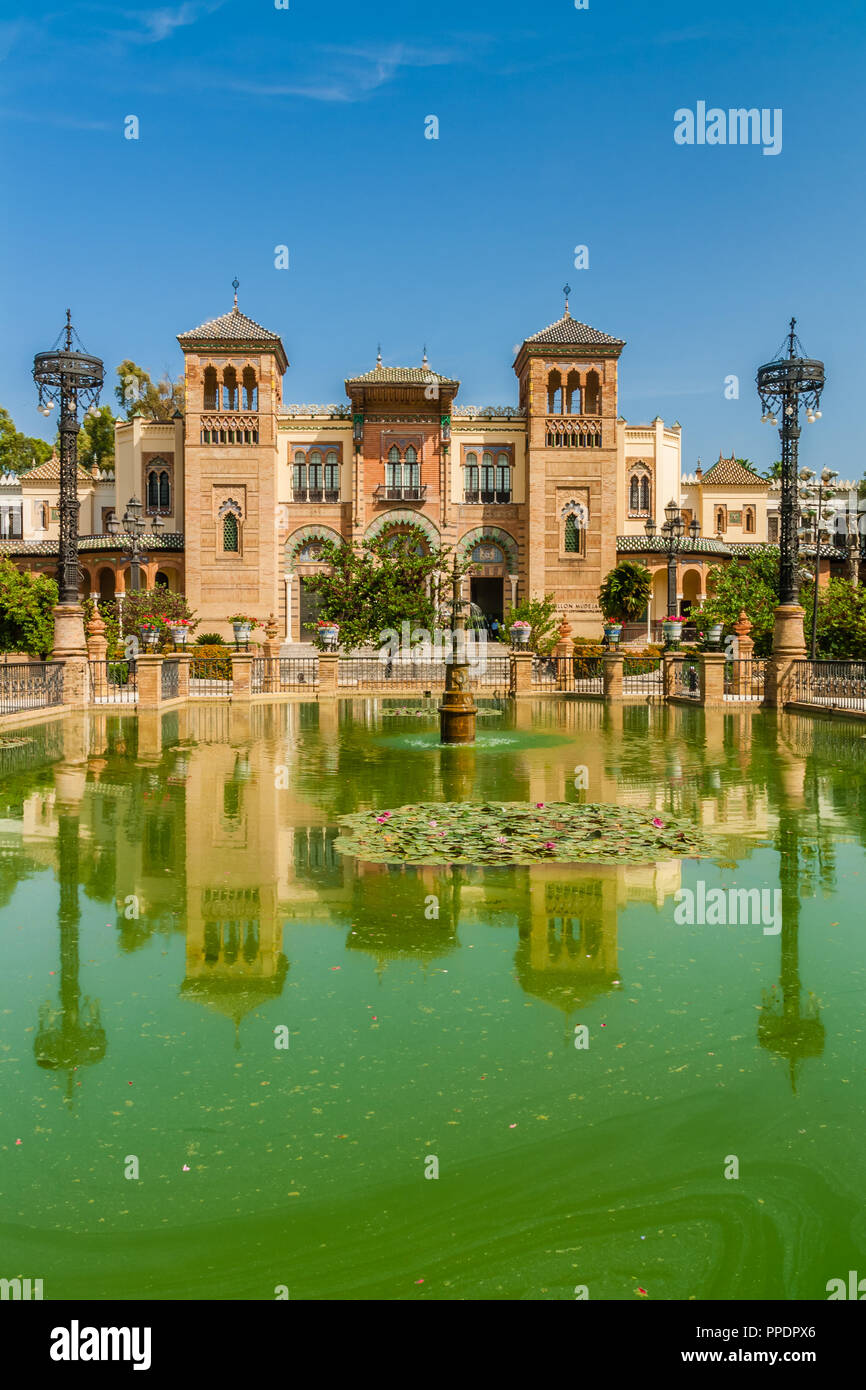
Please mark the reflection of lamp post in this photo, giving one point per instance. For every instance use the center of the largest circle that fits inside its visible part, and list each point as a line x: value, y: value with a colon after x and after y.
x: 673, y: 535
x: 815, y: 495
x: 130, y: 539
x: 68, y: 378
x: 782, y: 384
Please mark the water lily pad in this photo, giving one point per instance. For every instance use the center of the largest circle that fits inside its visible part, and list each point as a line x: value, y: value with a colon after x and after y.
x: 518, y: 833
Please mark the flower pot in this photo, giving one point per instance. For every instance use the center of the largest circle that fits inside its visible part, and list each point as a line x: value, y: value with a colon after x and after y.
x: 330, y: 636
x: 180, y: 636
x: 520, y: 636
x: 242, y: 632
x: 613, y: 632
x: 714, y: 634
x: 150, y: 637
x: 671, y: 629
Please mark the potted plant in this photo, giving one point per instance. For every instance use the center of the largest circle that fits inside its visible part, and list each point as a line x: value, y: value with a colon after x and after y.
x: 242, y: 626
x: 329, y: 633
x: 613, y: 632
x: 520, y: 633
x: 179, y: 631
x: 149, y: 630
x: 672, y: 627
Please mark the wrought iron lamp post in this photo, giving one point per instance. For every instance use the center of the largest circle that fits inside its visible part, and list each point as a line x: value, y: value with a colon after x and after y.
x: 784, y: 385
x: 814, y: 512
x: 134, y: 527
x: 68, y: 378
x: 673, y: 533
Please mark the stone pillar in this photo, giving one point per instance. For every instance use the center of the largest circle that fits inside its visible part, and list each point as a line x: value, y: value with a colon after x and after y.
x: 712, y: 669
x: 789, y: 645
x: 563, y: 651
x: 512, y: 579
x: 242, y: 676
x: 97, y: 653
x: 184, y: 662
x: 149, y: 736
x: 288, y: 579
x: 612, y: 669
x: 520, y: 676
x: 148, y: 668
x: 329, y: 667
x: 742, y: 684
x: 671, y: 662
x: 68, y: 631
x: 271, y: 654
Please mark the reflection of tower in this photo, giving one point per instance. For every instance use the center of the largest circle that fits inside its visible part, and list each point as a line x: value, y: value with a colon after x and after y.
x: 568, y: 934
x: 787, y: 1025
x: 394, y: 914
x: 234, y: 956
x: 70, y: 1036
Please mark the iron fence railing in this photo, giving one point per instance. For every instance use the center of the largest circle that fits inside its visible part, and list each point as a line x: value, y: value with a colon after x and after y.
x: 170, y: 679
x: 270, y: 675
x: 745, y: 679
x: 831, y: 684
x: 371, y: 671
x: 642, y: 675
x: 30, y: 685
x: 210, y: 676
x: 687, y: 679
x: 113, y: 682
x: 579, y: 674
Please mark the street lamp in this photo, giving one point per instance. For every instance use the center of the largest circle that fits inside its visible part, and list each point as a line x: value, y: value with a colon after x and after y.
x: 783, y: 385
x: 134, y: 527
x: 68, y: 378
x: 815, y: 495
x: 673, y: 535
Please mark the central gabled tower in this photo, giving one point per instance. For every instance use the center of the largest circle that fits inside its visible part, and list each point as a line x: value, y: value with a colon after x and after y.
x: 568, y: 391
x: 234, y: 369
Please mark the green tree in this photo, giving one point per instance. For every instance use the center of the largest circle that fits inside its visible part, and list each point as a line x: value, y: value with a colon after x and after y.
x: 96, y: 439
x: 540, y: 613
x: 751, y: 584
x: 26, y: 601
x: 382, y: 583
x: 138, y: 394
x: 841, y: 620
x: 158, y: 605
x: 18, y: 451
x: 625, y: 591
x: 749, y: 466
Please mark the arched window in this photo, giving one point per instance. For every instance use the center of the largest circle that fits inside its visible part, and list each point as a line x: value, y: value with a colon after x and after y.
x: 634, y: 495
x: 574, y: 518
x: 394, y: 468
x: 250, y: 389
x: 488, y: 478
x: 572, y: 536
x: 411, y: 468
x: 153, y: 490
x: 749, y: 519
x: 644, y: 495
x: 231, y: 535
x: 721, y: 519
x: 554, y: 394
x: 230, y: 389
x: 332, y: 476
x: 314, y: 475
x: 299, y: 476
x: 471, y: 477
x: 210, y: 389
x: 161, y: 580
x: 503, y: 478
x: 164, y: 492
x: 592, y: 394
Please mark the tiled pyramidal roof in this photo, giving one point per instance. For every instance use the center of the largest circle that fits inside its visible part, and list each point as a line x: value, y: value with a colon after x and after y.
x: 568, y: 330
x: 409, y: 376
x: 231, y: 327
x: 729, y: 473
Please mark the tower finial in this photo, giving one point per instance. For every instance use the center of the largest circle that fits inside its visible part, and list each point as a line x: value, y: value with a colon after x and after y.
x: 379, y: 355
x: 235, y: 283
x: 424, y: 358
x: 68, y: 330
x: 566, y: 290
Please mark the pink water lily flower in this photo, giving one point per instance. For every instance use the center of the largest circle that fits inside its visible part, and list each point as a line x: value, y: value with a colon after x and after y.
x: 549, y: 844
x: 539, y: 805
x: 658, y: 823
x: 381, y: 820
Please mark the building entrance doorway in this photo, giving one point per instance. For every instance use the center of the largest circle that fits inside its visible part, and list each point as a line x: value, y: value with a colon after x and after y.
x: 309, y: 611
x: 487, y: 593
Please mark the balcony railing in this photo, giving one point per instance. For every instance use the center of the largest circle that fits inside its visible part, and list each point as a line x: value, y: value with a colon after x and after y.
x: 229, y: 429
x: 315, y: 494
x: 384, y: 493
x: 573, y: 432
x: 486, y: 497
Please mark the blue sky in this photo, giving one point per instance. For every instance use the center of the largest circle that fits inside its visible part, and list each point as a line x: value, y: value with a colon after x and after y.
x: 305, y: 127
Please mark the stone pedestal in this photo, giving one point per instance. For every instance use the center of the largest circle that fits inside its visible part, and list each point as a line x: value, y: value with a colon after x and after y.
x: 612, y: 675
x: 68, y: 631
x: 457, y: 712
x: 671, y: 662
x: 742, y: 681
x: 712, y: 691
x: 184, y: 662
x: 789, y: 645
x: 97, y: 655
x: 242, y: 676
x: 76, y: 681
x: 520, y: 682
x: 271, y: 653
x: 329, y: 666
x: 148, y: 669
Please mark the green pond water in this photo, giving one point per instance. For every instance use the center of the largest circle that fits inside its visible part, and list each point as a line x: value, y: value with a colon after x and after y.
x: 172, y: 905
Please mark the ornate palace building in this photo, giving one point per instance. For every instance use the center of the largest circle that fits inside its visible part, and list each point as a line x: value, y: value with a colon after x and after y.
x: 544, y: 495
